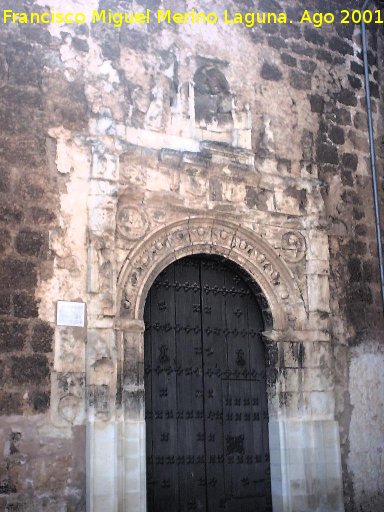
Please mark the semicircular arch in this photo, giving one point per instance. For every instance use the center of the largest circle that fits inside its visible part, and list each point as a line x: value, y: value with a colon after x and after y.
x: 202, y: 235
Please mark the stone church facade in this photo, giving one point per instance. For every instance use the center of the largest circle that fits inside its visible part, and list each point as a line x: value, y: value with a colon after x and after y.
x: 125, y: 150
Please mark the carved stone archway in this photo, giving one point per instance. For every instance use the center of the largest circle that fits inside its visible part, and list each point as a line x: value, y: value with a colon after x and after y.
x: 198, y: 235
x: 300, y: 397
x: 211, y: 236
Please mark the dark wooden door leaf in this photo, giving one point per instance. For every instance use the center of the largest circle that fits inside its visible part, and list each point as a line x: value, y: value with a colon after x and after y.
x: 205, y: 392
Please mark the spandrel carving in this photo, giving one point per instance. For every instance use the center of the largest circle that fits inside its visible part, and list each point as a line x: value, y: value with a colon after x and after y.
x: 293, y: 246
x: 132, y: 222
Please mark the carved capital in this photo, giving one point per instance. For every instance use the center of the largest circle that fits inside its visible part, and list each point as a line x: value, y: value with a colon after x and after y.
x: 129, y: 325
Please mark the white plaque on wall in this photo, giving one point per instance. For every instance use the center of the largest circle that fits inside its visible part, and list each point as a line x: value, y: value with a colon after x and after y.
x: 71, y: 314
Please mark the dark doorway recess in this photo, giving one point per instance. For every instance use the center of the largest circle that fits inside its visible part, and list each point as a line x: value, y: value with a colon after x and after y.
x: 205, y: 391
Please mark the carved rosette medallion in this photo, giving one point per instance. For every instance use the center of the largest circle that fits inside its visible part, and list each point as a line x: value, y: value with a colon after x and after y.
x: 293, y: 246
x: 132, y: 223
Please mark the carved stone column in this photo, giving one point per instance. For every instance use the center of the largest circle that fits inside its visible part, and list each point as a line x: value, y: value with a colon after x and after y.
x: 101, y: 354
x: 131, y: 418
x: 101, y: 421
x: 303, y: 434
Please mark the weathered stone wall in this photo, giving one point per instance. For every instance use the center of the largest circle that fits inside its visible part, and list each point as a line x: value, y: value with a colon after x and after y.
x: 356, y: 305
x: 40, y: 467
x: 100, y: 124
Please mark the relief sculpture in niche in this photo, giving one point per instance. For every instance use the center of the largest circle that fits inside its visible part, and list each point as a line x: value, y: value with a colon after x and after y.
x: 100, y: 272
x: 101, y: 364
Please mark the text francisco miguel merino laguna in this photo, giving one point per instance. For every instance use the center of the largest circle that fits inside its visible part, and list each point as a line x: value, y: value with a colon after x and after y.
x: 117, y: 18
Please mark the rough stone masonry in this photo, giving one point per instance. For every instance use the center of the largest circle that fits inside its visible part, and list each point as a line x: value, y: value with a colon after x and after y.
x: 125, y: 148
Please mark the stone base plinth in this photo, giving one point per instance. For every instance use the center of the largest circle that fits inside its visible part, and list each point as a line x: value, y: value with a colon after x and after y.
x: 305, y: 466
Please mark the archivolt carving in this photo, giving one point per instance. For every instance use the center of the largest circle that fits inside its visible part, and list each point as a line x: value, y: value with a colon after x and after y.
x: 210, y: 236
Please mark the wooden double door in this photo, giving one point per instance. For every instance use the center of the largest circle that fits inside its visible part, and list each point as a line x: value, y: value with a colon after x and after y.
x: 205, y: 392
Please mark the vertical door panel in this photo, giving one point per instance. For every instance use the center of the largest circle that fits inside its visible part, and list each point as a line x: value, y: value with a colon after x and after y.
x: 190, y: 390
x: 160, y: 352
x: 206, y: 404
x: 215, y: 363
